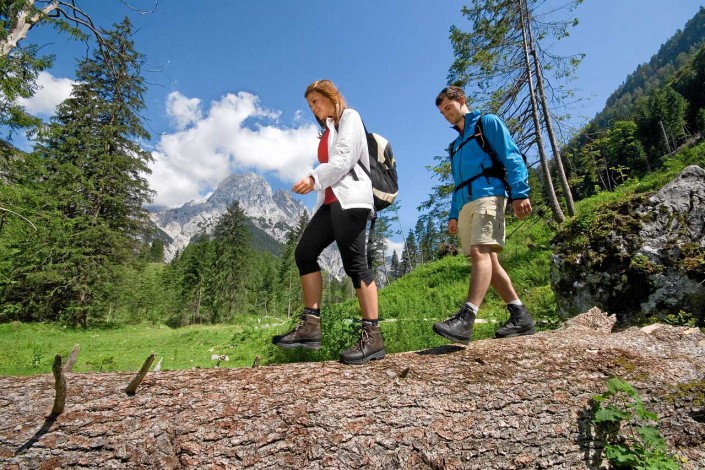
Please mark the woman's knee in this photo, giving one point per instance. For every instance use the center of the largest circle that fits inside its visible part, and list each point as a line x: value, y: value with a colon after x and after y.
x: 305, y: 261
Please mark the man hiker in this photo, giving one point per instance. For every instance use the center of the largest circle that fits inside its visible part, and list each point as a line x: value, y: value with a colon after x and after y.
x: 477, y: 211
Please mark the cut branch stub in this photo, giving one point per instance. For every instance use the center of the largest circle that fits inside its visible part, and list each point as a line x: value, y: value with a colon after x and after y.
x: 68, y: 367
x: 132, y: 388
x: 60, y: 386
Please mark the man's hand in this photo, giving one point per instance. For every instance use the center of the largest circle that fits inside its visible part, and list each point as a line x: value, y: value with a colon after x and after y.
x: 453, y: 226
x: 304, y: 185
x: 521, y: 208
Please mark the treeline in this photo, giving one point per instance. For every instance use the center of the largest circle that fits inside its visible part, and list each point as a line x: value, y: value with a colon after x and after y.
x: 221, y: 276
x: 671, y: 56
x: 660, y: 107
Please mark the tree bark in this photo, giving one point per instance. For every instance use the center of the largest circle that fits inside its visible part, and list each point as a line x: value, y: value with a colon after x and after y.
x: 25, y: 19
x: 520, y: 402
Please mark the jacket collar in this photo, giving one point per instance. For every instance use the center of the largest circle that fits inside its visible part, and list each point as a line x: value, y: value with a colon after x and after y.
x: 470, y: 118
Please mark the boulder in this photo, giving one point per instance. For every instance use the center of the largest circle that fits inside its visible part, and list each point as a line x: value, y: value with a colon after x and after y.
x: 641, y: 257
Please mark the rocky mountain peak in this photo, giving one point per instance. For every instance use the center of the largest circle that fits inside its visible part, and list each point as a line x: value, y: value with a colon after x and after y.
x: 273, y: 212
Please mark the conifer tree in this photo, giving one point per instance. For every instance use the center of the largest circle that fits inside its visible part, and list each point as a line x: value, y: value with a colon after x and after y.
x: 395, y: 270
x: 379, y: 248
x: 502, y: 60
x: 188, y: 274
x: 156, y: 251
x: 92, y: 169
x: 409, y: 255
x: 265, y: 284
x: 228, y: 285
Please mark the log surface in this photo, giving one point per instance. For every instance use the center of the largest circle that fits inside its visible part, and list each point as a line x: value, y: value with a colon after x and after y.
x: 495, y: 404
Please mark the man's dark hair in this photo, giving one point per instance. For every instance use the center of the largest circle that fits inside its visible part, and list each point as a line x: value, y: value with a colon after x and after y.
x: 454, y: 93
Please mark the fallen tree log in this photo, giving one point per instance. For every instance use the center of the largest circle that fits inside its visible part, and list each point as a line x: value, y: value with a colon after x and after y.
x: 513, y: 403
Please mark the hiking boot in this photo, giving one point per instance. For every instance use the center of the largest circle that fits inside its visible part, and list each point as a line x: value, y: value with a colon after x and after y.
x: 370, y: 346
x: 520, y: 323
x: 307, y: 334
x: 458, y: 328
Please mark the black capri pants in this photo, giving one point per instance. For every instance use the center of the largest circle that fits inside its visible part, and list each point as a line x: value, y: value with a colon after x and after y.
x: 345, y: 227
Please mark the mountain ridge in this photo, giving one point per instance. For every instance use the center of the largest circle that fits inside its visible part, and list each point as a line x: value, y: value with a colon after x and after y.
x: 273, y: 213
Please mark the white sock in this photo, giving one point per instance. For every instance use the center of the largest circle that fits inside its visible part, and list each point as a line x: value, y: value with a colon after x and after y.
x: 473, y: 307
x: 515, y: 302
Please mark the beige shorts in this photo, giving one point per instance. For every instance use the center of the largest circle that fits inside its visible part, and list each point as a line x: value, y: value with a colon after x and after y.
x: 481, y: 222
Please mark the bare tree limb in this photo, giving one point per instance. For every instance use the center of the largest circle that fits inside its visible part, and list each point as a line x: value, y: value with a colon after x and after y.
x: 141, y: 12
x: 68, y: 367
x: 20, y: 216
x: 24, y: 20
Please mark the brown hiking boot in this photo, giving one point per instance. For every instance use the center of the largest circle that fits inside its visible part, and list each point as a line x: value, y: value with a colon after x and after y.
x: 307, y: 334
x: 370, y: 346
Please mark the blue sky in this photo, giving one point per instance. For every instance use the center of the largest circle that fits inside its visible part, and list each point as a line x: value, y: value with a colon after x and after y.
x: 227, y: 78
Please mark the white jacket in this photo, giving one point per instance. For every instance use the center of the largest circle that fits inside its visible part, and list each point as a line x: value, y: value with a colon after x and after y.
x: 346, y: 147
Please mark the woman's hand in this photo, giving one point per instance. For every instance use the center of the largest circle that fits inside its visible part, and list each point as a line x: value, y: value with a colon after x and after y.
x: 304, y: 185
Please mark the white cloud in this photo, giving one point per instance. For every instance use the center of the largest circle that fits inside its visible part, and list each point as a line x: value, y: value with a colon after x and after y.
x: 394, y: 246
x: 50, y: 92
x: 236, y: 134
x: 182, y: 110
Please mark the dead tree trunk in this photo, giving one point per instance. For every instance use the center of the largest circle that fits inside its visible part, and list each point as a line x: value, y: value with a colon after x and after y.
x: 558, y: 215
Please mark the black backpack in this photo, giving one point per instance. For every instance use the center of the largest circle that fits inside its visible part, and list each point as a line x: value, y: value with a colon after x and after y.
x: 383, y: 170
x: 497, y: 170
x: 383, y: 174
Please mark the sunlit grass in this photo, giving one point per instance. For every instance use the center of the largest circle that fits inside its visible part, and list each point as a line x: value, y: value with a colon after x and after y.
x: 27, y: 349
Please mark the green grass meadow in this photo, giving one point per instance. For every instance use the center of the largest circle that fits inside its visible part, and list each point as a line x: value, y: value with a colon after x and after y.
x: 408, y: 308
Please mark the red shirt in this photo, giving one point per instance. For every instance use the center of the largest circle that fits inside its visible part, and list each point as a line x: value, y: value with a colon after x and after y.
x: 323, y: 158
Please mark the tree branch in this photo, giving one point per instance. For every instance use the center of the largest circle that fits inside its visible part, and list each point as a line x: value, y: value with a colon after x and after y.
x: 20, y: 216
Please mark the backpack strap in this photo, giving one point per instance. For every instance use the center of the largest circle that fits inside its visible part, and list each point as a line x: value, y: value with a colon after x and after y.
x: 496, y: 170
x: 367, y: 172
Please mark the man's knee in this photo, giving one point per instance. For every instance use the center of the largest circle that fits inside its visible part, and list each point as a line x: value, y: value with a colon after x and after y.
x: 480, y: 252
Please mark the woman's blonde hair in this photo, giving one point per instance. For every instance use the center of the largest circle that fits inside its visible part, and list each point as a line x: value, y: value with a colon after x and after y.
x: 327, y: 89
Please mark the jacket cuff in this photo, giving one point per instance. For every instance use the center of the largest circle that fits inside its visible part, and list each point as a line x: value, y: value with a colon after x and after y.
x: 316, y: 183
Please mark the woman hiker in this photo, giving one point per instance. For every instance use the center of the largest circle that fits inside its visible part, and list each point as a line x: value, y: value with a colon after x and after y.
x: 341, y: 212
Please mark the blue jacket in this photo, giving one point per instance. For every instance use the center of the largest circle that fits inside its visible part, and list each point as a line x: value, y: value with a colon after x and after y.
x: 471, y: 159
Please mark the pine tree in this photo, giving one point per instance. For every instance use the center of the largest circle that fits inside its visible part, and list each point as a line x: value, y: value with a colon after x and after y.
x: 264, y: 291
x: 379, y: 249
x: 428, y: 238
x: 188, y: 274
x: 395, y: 270
x: 156, y: 251
x: 229, y: 274
x: 92, y: 172
x: 409, y: 255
